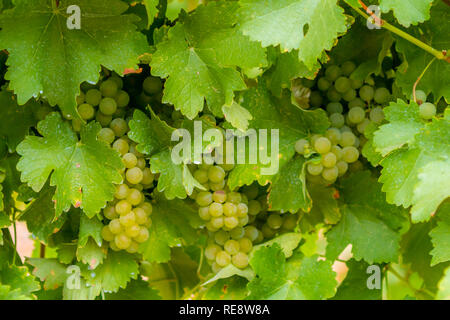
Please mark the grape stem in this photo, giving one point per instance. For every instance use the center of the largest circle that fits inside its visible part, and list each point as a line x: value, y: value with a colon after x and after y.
x: 406, y: 281
x: 420, y: 78
x: 441, y: 55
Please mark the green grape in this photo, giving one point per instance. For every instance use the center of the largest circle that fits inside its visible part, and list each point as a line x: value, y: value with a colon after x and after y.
x: 81, y: 98
x: 274, y: 221
x: 342, y: 167
x: 216, y: 209
x: 314, y: 169
x: 203, y: 213
x: 77, y: 124
x: 350, y: 154
x: 227, y: 167
x: 348, y: 67
x: 366, y: 93
x: 251, y: 191
x: 129, y: 160
x: 357, y: 102
x: 242, y: 210
x: 254, y: 207
x: 107, y: 235
x: 109, y: 88
x: 229, y: 209
x: 231, y: 246
x: 345, y: 129
x: 147, y: 177
x: 122, y: 99
x: 217, y: 223
x: 268, y: 232
x: 93, y: 97
x: 323, y: 84
x: 342, y: 84
x: 123, y: 207
x: 103, y: 119
x: 217, y: 186
x: 356, y: 84
x: 315, y: 99
x: 361, y: 127
x: 347, y: 139
x: 329, y: 160
x: 152, y: 85
x: 308, y: 83
x: 243, y: 221
x: 201, y: 176
x: 110, y: 213
x: 337, y: 152
x: 143, y: 235
x: 333, y: 95
x: 234, y: 197
x: 132, y: 231
x: 300, y: 146
x: 115, y: 226
x: 245, y: 245
x: 237, y: 233
x: 369, y: 80
x: 290, y: 222
x: 121, y: 146
x: 240, y: 260
x: 322, y: 145
x: 335, y: 107
x: 376, y: 115
x: 86, y: 111
x: 421, y: 97
x: 356, y: 115
x: 135, y: 197
x: 204, y: 199
x: 108, y: 106
x: 427, y: 110
x: 122, y: 241
x: 221, y: 236
x: 349, y: 95
x: 128, y: 219
x: 147, y: 207
x: 231, y: 222
x: 122, y: 192
x: 119, y: 126
x: 134, y: 175
x: 330, y: 174
x: 115, y: 77
x: 216, y: 174
x: 223, y: 258
x: 334, y: 135
x: 140, y: 215
x: 133, y: 248
x: 251, y: 232
x: 382, y: 95
x: 333, y: 72
x: 337, y: 120
x: 211, y: 251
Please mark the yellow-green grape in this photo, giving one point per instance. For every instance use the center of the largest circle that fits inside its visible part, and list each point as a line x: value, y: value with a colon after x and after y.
x: 134, y: 175
x: 330, y: 174
x: 149, y: 222
x: 254, y: 207
x: 204, y: 198
x: 366, y: 93
x: 143, y: 235
x: 108, y: 106
x: 122, y: 99
x: 133, y: 248
x: 322, y: 145
x: 215, y: 267
x: 229, y: 209
x: 110, y: 213
x: 245, y: 245
x: 237, y: 233
x: 81, y: 97
x: 348, y: 139
x: 122, y: 241
x: 231, y: 246
x: 342, y: 167
x: 211, y: 251
x: 234, y: 197
x: 221, y: 236
x: 427, y: 110
x: 119, y: 126
x: 106, y: 135
x: 349, y: 95
x: 115, y: 226
x: 152, y: 85
x: 109, y: 88
x: 86, y: 111
x: 356, y: 83
x: 132, y: 231
x: 314, y: 168
x: 356, y: 103
x: 334, y: 135
x: 251, y: 232
x: 335, y: 107
x: 361, y: 127
x: 147, y: 207
x: 219, y: 196
x: 348, y: 67
x: 216, y: 209
x: 267, y: 231
x: 115, y: 77
x: 147, y: 177
x: 217, y: 186
x: 140, y: 215
x: 290, y: 222
x: 201, y: 176
x: 301, y: 146
x: 356, y: 115
x: 123, y: 207
x: 107, y: 234
x: 329, y: 160
x: 216, y: 174
x: 345, y: 129
x: 203, y: 213
x: 223, y: 258
x: 121, y: 146
x: 128, y: 219
x: 274, y: 221
x: 129, y: 160
x: 93, y: 97
x: 122, y: 191
x: 113, y: 246
x: 230, y: 222
x: 103, y: 119
x: 227, y: 167
x: 135, y: 197
x: 141, y: 164
x: 337, y: 152
x: 337, y: 120
x: 251, y: 191
x: 333, y: 72
x: 240, y: 260
x: 342, y: 84
x: 77, y: 124
x: 381, y: 95
x: 217, y: 223
x: 133, y: 149
x: 243, y: 221
x: 350, y: 154
x: 242, y: 210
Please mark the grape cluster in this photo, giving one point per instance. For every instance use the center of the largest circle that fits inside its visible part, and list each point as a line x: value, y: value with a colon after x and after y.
x: 427, y: 110
x: 352, y: 105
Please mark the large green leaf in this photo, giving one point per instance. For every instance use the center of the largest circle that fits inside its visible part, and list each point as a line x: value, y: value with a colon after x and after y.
x: 408, y: 12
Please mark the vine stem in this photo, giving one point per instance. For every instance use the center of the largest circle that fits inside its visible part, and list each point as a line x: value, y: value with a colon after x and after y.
x: 441, y: 55
x: 420, y: 78
x: 406, y: 281
x: 15, y: 238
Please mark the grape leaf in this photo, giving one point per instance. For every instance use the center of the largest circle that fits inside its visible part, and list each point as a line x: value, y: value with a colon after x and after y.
x: 234, y: 288
x: 91, y: 254
x: 368, y: 150
x: 115, y: 272
x: 437, y: 78
x: 310, y: 26
x: 90, y: 228
x: 237, y: 116
x: 151, y: 6
x: 408, y: 12
x: 199, y: 57
x: 135, y: 290
x: 325, y: 207
x: 173, y: 224
x: 18, y: 118
x: 47, y: 58
x: 440, y: 236
x: 444, y: 287
x: 296, y: 279
x: 84, y: 172
x: 83, y: 292
x: 49, y: 271
x: 18, y: 278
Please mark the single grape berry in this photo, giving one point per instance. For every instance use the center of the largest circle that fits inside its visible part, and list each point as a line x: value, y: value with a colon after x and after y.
x: 427, y: 110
